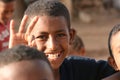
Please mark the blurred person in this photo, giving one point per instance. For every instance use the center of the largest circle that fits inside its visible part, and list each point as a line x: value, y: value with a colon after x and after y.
x: 114, y: 47
x: 24, y: 63
x: 77, y: 47
x: 116, y: 4
x: 107, y: 4
x: 46, y: 26
x: 114, y: 50
x: 6, y: 12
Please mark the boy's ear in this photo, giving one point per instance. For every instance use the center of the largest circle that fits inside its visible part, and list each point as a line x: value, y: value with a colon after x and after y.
x: 112, y: 63
x: 82, y: 51
x: 72, y: 35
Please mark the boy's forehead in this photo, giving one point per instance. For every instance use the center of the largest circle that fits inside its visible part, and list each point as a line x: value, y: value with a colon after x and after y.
x: 116, y: 35
x: 48, y: 18
x: 8, y: 5
x: 50, y: 24
x: 115, y: 38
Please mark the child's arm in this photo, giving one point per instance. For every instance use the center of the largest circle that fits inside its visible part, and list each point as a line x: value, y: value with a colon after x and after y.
x: 22, y: 36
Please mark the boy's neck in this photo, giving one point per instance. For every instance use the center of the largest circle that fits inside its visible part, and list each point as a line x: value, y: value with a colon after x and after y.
x: 56, y: 74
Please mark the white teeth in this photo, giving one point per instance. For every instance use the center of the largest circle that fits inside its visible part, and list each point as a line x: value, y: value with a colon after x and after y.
x: 52, y: 56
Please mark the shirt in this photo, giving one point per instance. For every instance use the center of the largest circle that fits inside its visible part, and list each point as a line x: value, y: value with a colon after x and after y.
x: 78, y: 68
x: 4, y: 36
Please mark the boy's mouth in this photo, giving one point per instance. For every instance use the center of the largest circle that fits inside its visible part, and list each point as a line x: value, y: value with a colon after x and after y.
x: 54, y: 56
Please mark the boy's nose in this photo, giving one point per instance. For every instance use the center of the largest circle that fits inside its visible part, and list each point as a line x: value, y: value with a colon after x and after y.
x: 9, y: 15
x: 52, y: 44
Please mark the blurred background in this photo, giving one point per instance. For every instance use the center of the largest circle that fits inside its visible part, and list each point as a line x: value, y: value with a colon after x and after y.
x: 92, y: 19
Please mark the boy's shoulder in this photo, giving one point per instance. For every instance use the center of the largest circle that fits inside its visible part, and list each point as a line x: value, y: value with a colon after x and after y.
x: 83, y: 60
x: 95, y: 70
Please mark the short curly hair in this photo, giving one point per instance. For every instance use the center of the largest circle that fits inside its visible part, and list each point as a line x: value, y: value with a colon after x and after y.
x: 20, y: 53
x: 77, y: 43
x: 52, y: 8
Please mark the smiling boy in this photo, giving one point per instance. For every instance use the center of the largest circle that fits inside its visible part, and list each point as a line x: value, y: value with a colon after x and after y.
x: 114, y: 50
x: 49, y: 30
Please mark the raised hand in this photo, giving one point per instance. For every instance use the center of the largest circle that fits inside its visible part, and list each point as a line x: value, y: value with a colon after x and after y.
x: 22, y: 36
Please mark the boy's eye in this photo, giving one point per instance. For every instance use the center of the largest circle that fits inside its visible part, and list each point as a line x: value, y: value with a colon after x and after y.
x: 42, y: 37
x: 61, y: 35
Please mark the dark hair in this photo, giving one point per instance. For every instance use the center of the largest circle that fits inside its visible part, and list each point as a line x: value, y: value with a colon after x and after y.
x: 27, y: 2
x: 77, y: 43
x: 7, y: 1
x: 50, y: 8
x: 114, y: 30
x: 20, y: 53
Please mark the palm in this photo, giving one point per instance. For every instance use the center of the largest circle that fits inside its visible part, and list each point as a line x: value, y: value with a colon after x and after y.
x: 18, y: 38
x: 21, y: 37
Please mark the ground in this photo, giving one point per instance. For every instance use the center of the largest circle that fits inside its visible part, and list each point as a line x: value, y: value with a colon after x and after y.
x: 95, y: 34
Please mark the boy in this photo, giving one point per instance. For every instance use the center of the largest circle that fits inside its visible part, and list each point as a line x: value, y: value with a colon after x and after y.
x: 6, y: 12
x: 113, y: 45
x: 49, y: 30
x: 24, y: 63
x: 77, y: 47
x: 114, y: 50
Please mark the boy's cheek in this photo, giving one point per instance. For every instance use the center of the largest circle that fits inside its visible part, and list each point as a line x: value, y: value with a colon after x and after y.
x: 40, y: 46
x: 117, y: 64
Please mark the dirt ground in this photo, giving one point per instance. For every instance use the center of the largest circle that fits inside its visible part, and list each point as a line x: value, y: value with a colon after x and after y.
x: 95, y: 34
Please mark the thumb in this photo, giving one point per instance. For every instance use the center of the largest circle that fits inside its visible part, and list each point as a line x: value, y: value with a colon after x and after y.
x: 31, y: 42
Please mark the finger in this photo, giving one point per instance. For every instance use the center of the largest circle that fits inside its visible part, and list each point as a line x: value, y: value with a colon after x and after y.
x: 12, y: 30
x: 32, y: 24
x: 33, y: 44
x: 31, y: 41
x: 23, y: 24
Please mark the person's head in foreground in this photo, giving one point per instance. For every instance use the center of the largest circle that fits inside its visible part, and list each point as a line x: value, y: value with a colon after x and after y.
x: 24, y: 63
x: 114, y: 47
x: 6, y: 10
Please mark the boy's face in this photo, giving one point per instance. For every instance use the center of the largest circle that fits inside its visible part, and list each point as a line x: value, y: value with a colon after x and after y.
x: 53, y: 38
x: 6, y: 11
x: 115, y: 46
x: 26, y: 70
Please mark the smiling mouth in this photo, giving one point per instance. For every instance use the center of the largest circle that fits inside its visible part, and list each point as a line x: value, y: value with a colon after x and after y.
x: 54, y: 56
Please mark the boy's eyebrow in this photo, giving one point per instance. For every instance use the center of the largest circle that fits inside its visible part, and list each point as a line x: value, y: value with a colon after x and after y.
x: 55, y: 31
x: 43, y: 33
x: 60, y: 31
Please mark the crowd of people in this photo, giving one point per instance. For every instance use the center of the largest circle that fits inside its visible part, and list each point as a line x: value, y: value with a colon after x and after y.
x: 46, y: 47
